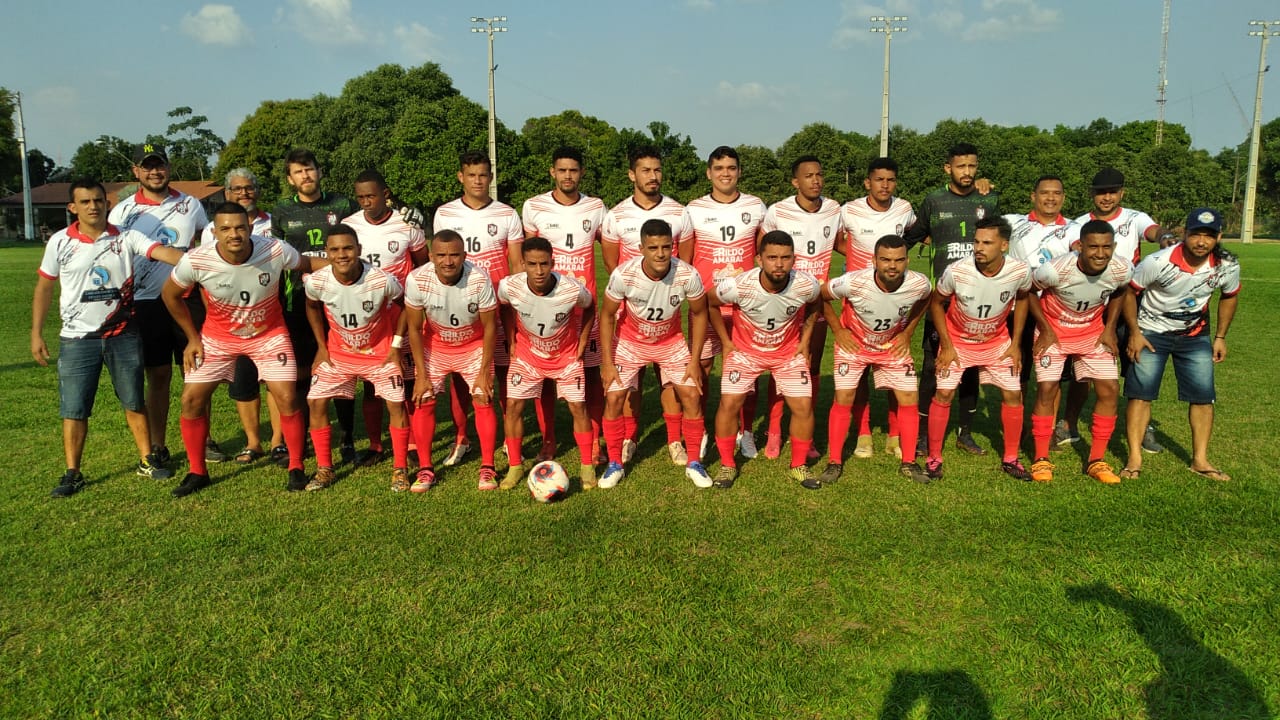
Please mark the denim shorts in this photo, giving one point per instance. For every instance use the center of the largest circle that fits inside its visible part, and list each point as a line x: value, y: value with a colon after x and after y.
x: 1192, y: 367
x: 80, y: 364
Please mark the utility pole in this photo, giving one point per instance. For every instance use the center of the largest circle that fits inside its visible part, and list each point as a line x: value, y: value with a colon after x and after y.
x: 1163, y: 83
x: 490, y: 29
x: 28, y: 221
x: 1251, y: 175
x: 888, y: 29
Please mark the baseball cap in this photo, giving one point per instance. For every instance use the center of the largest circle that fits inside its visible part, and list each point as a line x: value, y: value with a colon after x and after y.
x: 1205, y: 218
x: 148, y: 150
x: 1107, y: 178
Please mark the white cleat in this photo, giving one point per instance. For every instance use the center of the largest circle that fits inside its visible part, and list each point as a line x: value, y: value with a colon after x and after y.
x: 612, y: 476
x: 695, y: 472
x: 459, y: 452
x: 747, y: 445
x: 678, y: 455
x: 628, y: 450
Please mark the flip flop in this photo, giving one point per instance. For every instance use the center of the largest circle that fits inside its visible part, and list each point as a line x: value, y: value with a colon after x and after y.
x: 1212, y: 473
x: 248, y: 455
x: 1130, y: 473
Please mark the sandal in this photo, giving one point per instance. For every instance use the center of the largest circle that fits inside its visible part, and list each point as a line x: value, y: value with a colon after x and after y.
x: 248, y: 455
x: 1212, y: 473
x: 1130, y: 473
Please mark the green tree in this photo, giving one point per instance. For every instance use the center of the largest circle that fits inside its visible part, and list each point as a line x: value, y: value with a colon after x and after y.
x: 762, y: 173
x: 190, y: 145
x: 107, y: 159
x: 10, y: 158
x: 265, y: 137
x: 844, y: 157
x: 41, y: 167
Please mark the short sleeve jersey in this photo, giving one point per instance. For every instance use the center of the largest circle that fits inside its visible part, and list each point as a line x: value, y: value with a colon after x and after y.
x: 651, y: 308
x: 547, y: 326
x: 815, y: 234
x: 769, y: 322
x: 948, y: 220
x: 872, y: 314
x: 1073, y: 302
x: 1130, y: 226
x: 97, y: 278
x: 1175, y: 296
x: 451, y: 312
x: 864, y: 225
x: 572, y: 231
x: 176, y: 222
x: 387, y: 244
x: 980, y: 304
x: 304, y: 226
x: 260, y: 225
x: 623, y: 221
x: 723, y: 235
x: 241, y: 301
x: 486, y: 233
x: 362, y: 316
x: 1035, y: 244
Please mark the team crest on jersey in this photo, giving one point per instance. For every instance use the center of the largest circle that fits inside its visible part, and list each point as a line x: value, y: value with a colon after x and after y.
x: 393, y: 245
x: 734, y: 376
x: 264, y: 279
x: 980, y: 212
x: 675, y: 300
x: 1060, y: 232
x: 842, y: 369
x: 473, y: 308
x: 493, y: 230
x: 826, y: 231
x: 902, y: 311
x: 368, y: 306
x: 586, y: 226
x: 791, y: 311
x: 746, y: 218
x: 1004, y: 296
x: 897, y: 229
x: 332, y: 218
x: 1123, y: 230
x: 560, y: 317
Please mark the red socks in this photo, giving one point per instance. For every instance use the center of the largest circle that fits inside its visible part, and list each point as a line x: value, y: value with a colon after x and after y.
x: 614, y: 433
x: 630, y: 429
x: 799, y: 451
x: 423, y: 424
x: 694, y: 429
x: 1041, y: 434
x: 1101, y: 428
x: 674, y: 425
x: 400, y: 446
x: 939, y: 416
x: 1011, y: 420
x: 322, y: 441
x: 291, y: 426
x: 586, y: 449
x: 513, y: 450
x: 371, y: 409
x: 195, y: 431
x: 545, y: 408
x: 838, y: 429
x: 862, y: 412
x: 775, y: 403
x: 487, y: 432
x: 458, y: 407
x: 726, y: 446
x: 910, y: 431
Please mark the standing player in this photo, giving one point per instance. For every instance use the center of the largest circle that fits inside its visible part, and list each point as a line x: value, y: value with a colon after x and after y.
x: 492, y: 233
x: 865, y: 221
x: 451, y: 309
x: 882, y: 305
x: 970, y: 306
x: 1076, y: 290
x: 548, y: 318
x: 723, y: 227
x: 813, y: 222
x: 776, y: 307
x: 571, y: 222
x: 946, y: 222
x: 647, y: 292
x: 174, y: 219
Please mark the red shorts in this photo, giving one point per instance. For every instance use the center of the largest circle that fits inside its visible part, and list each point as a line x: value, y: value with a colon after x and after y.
x: 994, y: 369
x: 271, y: 352
x: 890, y: 372
x: 790, y: 374
x: 524, y: 380
x: 442, y: 361
x: 337, y: 379
x: 630, y: 358
x: 1092, y: 361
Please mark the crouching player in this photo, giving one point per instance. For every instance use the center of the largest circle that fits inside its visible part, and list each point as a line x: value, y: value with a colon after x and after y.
x: 650, y: 290
x: 361, y: 304
x: 882, y: 305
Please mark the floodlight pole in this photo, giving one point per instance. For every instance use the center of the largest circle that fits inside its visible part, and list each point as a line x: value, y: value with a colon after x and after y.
x: 490, y: 29
x: 888, y: 29
x: 28, y: 224
x: 1251, y: 175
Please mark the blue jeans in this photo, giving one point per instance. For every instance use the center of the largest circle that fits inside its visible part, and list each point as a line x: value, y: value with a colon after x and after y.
x: 1192, y: 367
x: 80, y: 364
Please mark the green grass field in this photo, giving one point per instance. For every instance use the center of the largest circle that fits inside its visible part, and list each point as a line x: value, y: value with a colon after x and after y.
x: 976, y: 597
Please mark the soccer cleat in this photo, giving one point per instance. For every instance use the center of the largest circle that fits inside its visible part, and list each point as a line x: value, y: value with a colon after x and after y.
x: 702, y: 448
x: 933, y: 469
x: 1042, y: 470
x: 1149, y: 444
x: 772, y: 446
x: 922, y: 446
x: 612, y: 475
x: 913, y: 472
x: 548, y: 451
x: 965, y: 442
x: 1063, y: 435
x: 323, y: 478
x: 587, y: 474
x: 747, y: 445
x: 150, y: 467
x: 831, y: 473
x: 399, y: 479
x: 460, y: 451
x: 893, y: 446
x: 192, y: 483
x: 162, y: 454
x: 71, y: 483
x: 678, y: 454
x: 725, y: 477
x: 628, y: 450
x: 804, y: 476
x: 280, y: 456
x: 297, y: 481
x: 347, y: 453
x: 424, y: 480
x: 695, y: 472
x: 1015, y: 470
x: 515, y: 474
x: 813, y: 455
x: 213, y: 453
x: 864, y: 448
x: 369, y: 458
x: 1099, y: 470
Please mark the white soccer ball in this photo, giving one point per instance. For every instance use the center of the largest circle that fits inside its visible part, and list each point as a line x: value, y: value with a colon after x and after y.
x: 548, y: 481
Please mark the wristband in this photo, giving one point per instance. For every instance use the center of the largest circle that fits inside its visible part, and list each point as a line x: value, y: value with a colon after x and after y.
x: 1219, y: 337
x: 397, y: 341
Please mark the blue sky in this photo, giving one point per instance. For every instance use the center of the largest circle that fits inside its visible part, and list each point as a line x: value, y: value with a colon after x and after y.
x: 721, y: 71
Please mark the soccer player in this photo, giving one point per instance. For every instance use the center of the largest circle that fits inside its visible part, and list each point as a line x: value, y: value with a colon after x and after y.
x: 174, y: 219
x: 647, y: 292
x: 452, y: 323
x: 776, y: 306
x: 970, y: 306
x: 1167, y: 309
x: 723, y: 226
x: 239, y: 277
x: 571, y: 222
x: 814, y: 224
x: 946, y: 223
x: 865, y: 221
x: 492, y: 234
x: 548, y: 318
x: 881, y: 307
x: 94, y: 263
x: 1077, y: 289
x: 361, y: 304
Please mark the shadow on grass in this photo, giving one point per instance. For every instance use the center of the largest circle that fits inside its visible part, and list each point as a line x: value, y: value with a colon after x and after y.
x: 947, y: 693
x: 1195, y: 681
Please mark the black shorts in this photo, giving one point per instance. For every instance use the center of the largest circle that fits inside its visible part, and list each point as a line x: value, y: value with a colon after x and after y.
x: 162, y: 340
x: 304, y: 342
x: 244, y: 386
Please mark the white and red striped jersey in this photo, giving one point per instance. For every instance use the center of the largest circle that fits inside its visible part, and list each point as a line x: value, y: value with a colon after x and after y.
x: 260, y: 224
x: 362, y: 316
x: 980, y: 304
x: 723, y: 235
x: 1175, y: 296
x: 651, y: 308
x: 547, y: 326
x: 572, y: 231
x: 97, y: 278
x: 768, y: 323
x: 241, y: 301
x: 1035, y: 244
x: 872, y: 314
x: 387, y: 244
x: 864, y: 225
x: 1073, y: 302
x: 451, y: 312
x: 814, y: 233
x: 172, y: 222
x: 622, y: 225
x: 1130, y: 226
x: 487, y: 233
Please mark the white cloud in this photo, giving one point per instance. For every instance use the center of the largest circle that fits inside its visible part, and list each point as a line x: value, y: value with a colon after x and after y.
x: 325, y: 21
x: 749, y: 94
x: 57, y: 98
x: 1012, y: 16
x: 216, y: 25
x: 854, y: 25
x: 417, y: 41
x: 700, y: 4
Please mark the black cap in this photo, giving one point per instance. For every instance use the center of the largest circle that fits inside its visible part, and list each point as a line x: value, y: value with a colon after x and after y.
x: 148, y: 150
x: 1107, y: 178
x: 1205, y: 218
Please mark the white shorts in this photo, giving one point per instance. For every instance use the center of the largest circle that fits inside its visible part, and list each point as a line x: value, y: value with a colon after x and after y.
x: 465, y: 361
x: 713, y: 347
x: 994, y: 369
x: 630, y: 358
x: 337, y: 379
x: 271, y: 352
x: 1092, y: 361
x: 890, y: 372
x: 591, y: 355
x: 524, y: 380
x: 790, y: 374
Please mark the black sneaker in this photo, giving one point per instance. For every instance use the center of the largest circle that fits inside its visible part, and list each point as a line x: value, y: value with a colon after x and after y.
x: 297, y: 481
x: 369, y: 458
x: 922, y: 446
x: 190, y: 484
x: 1149, y: 443
x: 162, y: 454
x: 1015, y: 470
x: 965, y: 442
x: 915, y: 473
x: 347, y: 453
x: 71, y: 483
x: 280, y: 456
x: 213, y: 453
x: 151, y: 467
x: 831, y: 474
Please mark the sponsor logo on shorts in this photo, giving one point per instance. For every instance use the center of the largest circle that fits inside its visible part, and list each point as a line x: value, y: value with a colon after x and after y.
x: 264, y: 279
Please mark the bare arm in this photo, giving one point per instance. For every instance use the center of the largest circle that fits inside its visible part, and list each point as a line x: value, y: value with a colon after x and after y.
x: 697, y: 338
x: 40, y: 304
x: 609, y: 251
x: 608, y: 329
x: 484, y: 380
x: 938, y: 314
x: 1226, y: 312
x: 172, y: 294
x: 315, y: 318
